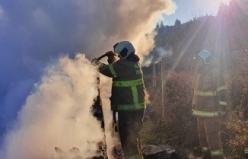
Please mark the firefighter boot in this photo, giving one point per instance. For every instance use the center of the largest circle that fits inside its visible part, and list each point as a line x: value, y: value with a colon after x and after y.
x: 218, y: 157
x: 206, y: 155
x: 217, y: 154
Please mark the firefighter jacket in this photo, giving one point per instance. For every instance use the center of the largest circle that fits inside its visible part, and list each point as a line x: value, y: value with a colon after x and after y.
x: 210, y: 93
x: 128, y: 85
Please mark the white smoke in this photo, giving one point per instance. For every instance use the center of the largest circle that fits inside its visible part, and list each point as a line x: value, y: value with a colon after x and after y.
x: 58, y: 113
x: 1, y: 12
x: 125, y: 20
x: 111, y: 137
x: 157, y: 56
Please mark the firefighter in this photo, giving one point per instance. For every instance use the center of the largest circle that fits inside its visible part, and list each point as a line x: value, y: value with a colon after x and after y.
x: 209, y: 105
x: 128, y: 95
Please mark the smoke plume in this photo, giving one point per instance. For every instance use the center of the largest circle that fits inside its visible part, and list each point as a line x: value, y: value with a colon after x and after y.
x: 57, y: 113
x: 41, y: 110
x: 156, y: 56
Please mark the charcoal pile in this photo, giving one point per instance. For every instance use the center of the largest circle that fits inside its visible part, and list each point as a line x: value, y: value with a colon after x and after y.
x: 72, y: 154
x: 159, y: 152
x: 117, y: 152
x: 148, y: 152
x: 102, y: 151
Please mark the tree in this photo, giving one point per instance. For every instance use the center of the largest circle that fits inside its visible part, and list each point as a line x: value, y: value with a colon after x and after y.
x: 177, y: 23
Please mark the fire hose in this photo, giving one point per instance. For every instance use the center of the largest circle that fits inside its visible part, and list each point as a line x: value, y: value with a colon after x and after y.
x: 102, y: 56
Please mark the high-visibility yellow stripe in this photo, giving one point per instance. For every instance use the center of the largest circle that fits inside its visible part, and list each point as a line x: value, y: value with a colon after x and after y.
x: 204, y: 149
x: 222, y: 103
x: 221, y: 88
x: 136, y: 66
x: 136, y: 106
x: 216, y: 152
x: 204, y: 113
x: 133, y: 86
x: 111, y: 68
x: 135, y: 95
x: 206, y: 94
x: 127, y: 83
x: 138, y: 70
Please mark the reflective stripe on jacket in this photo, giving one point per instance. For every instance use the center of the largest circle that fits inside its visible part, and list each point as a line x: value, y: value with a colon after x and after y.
x: 128, y: 85
x: 210, y: 93
x: 216, y: 152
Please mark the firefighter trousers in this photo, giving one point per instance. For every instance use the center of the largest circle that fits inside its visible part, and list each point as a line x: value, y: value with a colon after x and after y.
x: 130, y: 123
x: 209, y: 138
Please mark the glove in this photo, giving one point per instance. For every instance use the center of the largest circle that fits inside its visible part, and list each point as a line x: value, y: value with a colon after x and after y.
x: 110, y: 54
x: 95, y: 62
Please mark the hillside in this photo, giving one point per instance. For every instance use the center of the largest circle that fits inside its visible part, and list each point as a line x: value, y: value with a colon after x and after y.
x: 170, y: 120
x: 223, y: 35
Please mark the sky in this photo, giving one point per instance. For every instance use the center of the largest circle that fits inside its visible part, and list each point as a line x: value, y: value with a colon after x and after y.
x: 189, y: 9
x: 46, y: 80
x: 47, y: 83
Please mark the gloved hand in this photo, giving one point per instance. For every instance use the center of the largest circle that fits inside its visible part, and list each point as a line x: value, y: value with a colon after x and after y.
x: 110, y: 54
x: 95, y: 62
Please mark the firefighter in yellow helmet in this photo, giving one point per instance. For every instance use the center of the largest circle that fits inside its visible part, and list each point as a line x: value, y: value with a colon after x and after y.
x: 128, y: 96
x: 209, y: 105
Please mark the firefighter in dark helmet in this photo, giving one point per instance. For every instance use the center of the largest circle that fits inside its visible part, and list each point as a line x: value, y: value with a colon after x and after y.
x: 128, y: 94
x: 209, y: 105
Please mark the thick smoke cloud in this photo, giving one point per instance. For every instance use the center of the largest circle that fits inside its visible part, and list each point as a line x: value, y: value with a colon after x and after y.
x: 57, y: 113
x: 34, y: 34
x: 50, y: 118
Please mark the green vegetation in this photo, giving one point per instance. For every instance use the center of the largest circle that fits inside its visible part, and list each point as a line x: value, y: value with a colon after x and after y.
x: 226, y: 36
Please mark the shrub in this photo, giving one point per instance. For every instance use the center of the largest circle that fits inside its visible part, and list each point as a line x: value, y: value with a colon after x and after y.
x: 178, y: 125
